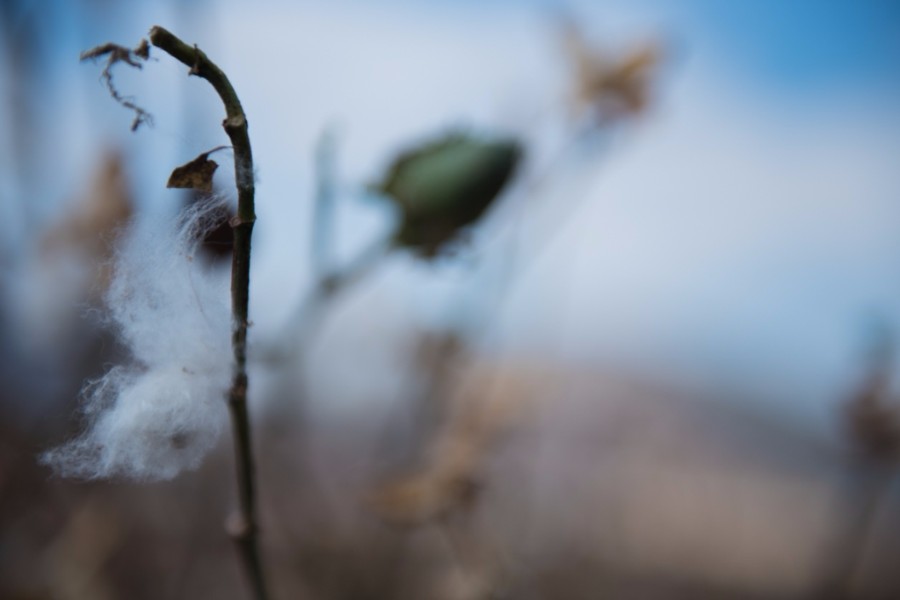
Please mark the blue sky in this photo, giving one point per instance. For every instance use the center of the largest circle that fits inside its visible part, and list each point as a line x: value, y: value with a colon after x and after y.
x: 807, y: 43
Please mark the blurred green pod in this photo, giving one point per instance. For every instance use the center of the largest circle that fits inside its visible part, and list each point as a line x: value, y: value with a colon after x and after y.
x: 443, y: 186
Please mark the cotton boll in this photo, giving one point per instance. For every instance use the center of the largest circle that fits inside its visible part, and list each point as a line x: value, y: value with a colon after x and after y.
x: 156, y: 424
x: 161, y: 415
x: 166, y: 421
x: 162, y: 300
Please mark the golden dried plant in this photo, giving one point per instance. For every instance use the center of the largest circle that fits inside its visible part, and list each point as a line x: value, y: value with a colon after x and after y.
x: 89, y: 230
x: 606, y: 87
x: 483, y: 408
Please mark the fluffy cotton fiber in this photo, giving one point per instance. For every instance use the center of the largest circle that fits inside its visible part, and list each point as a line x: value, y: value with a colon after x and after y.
x: 160, y: 415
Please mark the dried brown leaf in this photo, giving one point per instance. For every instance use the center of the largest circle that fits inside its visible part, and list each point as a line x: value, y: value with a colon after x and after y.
x: 143, y: 50
x: 196, y: 174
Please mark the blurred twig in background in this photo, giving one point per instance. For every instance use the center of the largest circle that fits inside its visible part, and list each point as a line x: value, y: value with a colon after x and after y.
x: 871, y: 421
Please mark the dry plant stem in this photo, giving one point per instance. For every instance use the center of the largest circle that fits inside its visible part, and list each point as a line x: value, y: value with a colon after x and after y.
x: 323, y: 209
x: 868, y: 488
x: 308, y: 314
x: 244, y: 527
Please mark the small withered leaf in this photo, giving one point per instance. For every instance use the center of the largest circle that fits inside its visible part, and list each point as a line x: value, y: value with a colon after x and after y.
x: 143, y: 50
x: 101, y: 50
x: 196, y: 174
x: 116, y: 54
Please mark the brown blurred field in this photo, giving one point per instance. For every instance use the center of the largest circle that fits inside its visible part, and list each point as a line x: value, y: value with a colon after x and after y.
x: 584, y: 485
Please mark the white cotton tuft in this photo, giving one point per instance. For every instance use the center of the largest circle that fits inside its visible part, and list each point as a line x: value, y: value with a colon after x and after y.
x: 162, y: 414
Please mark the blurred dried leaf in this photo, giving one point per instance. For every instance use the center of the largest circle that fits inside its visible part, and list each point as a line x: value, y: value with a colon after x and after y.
x: 611, y: 88
x: 91, y: 228
x: 423, y: 498
x: 486, y: 406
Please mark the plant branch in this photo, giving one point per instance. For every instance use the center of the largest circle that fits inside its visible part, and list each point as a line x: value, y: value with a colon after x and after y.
x: 329, y: 281
x: 307, y: 315
x: 323, y: 208
x: 243, y: 526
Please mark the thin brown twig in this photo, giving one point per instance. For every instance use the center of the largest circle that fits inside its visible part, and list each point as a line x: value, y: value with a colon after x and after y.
x: 243, y: 526
x: 116, y: 54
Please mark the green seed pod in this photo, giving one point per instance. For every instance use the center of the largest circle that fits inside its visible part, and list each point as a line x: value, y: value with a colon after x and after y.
x: 443, y: 186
